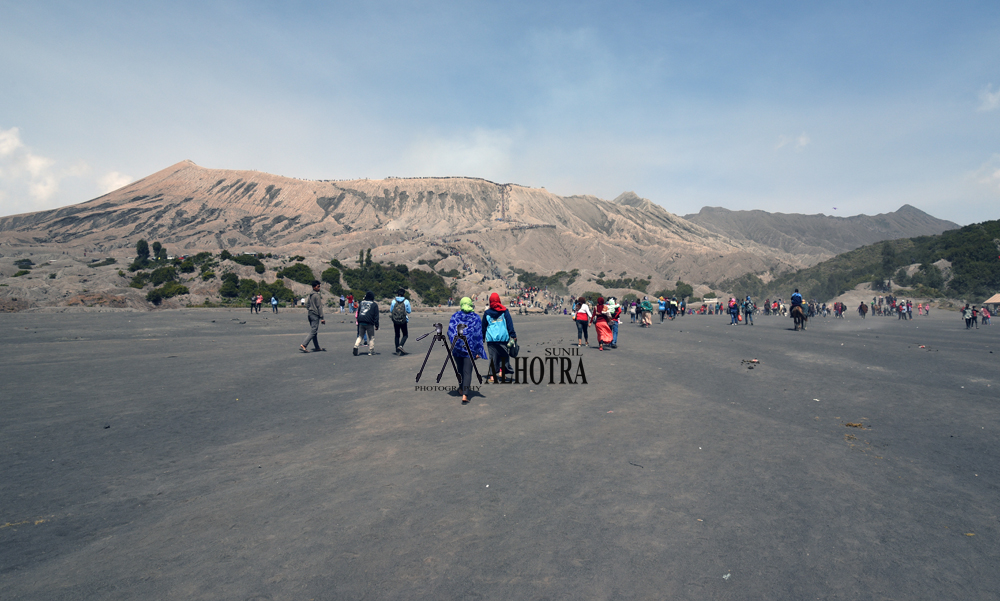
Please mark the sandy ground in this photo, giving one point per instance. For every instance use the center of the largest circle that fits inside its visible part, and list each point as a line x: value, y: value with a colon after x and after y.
x: 197, y: 454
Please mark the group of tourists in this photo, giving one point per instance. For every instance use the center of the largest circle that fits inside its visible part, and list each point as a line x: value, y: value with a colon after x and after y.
x: 605, y: 316
x: 971, y: 315
x: 494, y: 331
x: 256, y: 302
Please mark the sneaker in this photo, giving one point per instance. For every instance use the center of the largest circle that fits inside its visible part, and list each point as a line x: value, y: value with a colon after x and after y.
x: 355, y: 351
x: 370, y: 353
x: 399, y: 351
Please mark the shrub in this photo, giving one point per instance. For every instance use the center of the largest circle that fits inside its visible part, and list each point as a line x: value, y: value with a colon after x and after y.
x: 52, y: 276
x: 139, y: 280
x: 684, y: 290
x: 168, y: 290
x: 108, y: 261
x: 208, y: 275
x: 229, y: 288
x: 332, y: 276
x: 259, y: 268
x: 451, y: 273
x: 21, y: 272
x: 162, y: 274
x: 297, y: 258
x: 248, y: 260
x: 187, y: 266
x: 225, y: 255
x: 300, y: 272
x: 23, y: 264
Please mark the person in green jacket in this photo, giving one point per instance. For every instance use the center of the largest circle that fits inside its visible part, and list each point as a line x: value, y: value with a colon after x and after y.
x: 647, y: 312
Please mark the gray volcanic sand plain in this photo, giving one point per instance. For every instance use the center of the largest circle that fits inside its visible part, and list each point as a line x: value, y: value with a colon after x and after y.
x: 184, y: 454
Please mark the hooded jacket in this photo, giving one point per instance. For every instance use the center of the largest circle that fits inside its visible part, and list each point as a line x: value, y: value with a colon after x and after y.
x: 368, y: 315
x: 473, y: 333
x: 406, y: 303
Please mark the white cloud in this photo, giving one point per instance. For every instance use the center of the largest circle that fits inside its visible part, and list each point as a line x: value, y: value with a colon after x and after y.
x: 10, y: 140
x: 112, y: 181
x: 30, y: 181
x: 798, y: 143
x: 988, y: 99
x: 988, y: 174
x: 480, y: 153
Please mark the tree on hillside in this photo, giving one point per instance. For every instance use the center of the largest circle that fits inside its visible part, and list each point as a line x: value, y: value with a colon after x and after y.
x: 142, y: 250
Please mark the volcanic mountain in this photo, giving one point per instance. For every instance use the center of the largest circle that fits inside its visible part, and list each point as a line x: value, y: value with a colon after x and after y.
x: 476, y: 227
x: 818, y: 235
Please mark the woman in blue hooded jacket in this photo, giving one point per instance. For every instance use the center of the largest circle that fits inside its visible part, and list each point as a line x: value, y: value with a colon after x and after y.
x: 467, y: 316
x: 498, y: 344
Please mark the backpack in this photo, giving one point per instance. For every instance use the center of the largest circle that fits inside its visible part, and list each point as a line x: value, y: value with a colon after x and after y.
x: 398, y: 314
x: 496, y: 329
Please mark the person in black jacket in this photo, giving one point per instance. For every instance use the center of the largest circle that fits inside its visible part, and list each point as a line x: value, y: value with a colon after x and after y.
x: 367, y: 317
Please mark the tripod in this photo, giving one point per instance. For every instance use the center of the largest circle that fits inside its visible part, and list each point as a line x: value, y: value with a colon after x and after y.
x: 444, y: 339
x: 460, y: 328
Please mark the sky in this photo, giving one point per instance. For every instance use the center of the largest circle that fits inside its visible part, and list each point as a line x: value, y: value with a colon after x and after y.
x: 838, y: 108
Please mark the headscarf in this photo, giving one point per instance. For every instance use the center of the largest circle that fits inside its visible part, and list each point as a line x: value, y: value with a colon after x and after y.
x: 495, y: 303
x: 466, y: 304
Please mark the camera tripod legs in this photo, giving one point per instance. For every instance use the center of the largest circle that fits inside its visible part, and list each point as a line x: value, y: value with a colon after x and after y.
x: 430, y: 348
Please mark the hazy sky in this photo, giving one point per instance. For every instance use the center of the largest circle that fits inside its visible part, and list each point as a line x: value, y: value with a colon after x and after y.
x: 838, y: 107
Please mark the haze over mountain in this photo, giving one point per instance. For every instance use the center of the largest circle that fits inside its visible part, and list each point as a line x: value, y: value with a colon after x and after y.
x: 460, y: 223
x: 818, y: 235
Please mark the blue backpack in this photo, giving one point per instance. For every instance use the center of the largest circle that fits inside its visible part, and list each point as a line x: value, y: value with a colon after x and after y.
x: 496, y: 329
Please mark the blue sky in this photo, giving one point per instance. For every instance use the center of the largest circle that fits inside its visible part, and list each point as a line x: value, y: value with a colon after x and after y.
x: 840, y: 108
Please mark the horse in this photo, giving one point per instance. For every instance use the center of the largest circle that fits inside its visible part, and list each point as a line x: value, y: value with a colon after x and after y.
x: 799, y: 315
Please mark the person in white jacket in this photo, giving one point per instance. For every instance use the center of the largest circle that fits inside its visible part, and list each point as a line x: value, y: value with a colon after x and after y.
x: 582, y: 315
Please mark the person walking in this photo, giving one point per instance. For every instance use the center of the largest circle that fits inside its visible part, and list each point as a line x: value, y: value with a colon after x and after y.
x: 647, y: 312
x: 967, y: 315
x: 582, y: 315
x: 473, y: 332
x: 342, y: 301
x: 748, y: 309
x: 602, y: 324
x: 734, y: 312
x: 631, y: 311
x: 499, y: 335
x: 616, y: 319
x: 314, y: 311
x: 662, y: 307
x: 274, y: 304
x: 367, y: 322
x: 399, y: 312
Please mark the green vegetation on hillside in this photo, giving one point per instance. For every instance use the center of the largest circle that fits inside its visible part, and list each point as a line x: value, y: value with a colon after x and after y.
x: 557, y: 282
x: 973, y: 251
x: 384, y: 280
x: 630, y: 283
x: 299, y: 272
